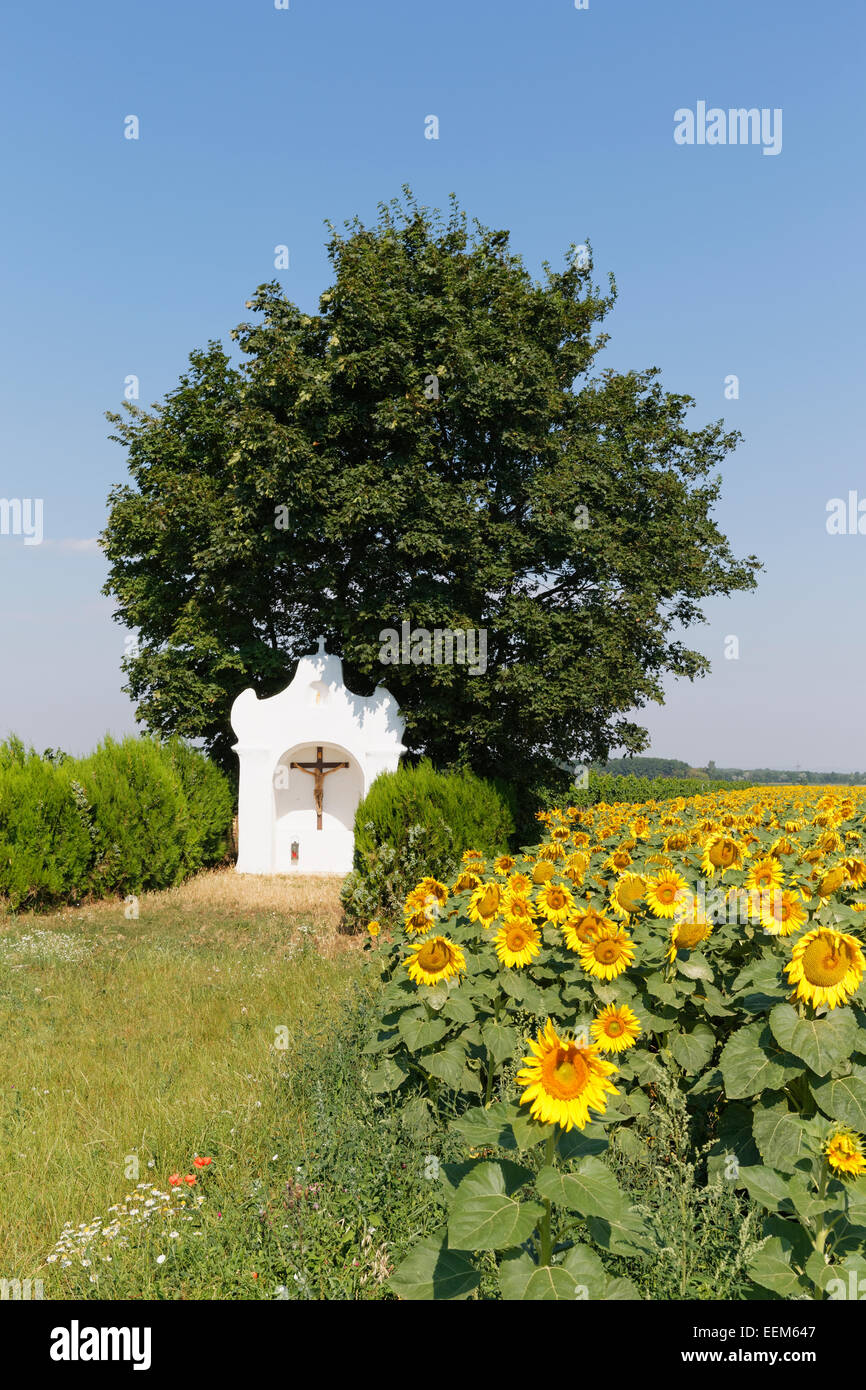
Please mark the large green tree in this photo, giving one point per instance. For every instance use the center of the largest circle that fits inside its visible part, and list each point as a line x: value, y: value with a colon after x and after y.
x: 432, y: 447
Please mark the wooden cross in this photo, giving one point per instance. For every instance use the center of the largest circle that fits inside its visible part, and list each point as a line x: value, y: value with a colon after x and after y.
x: 319, y: 771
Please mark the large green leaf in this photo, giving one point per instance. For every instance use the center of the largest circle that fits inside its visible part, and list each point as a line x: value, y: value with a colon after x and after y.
x: 459, y: 1008
x: 752, y: 1062
x: 590, y: 1189
x: 500, y: 1040
x: 693, y: 1050
x: 629, y: 1234
x: 391, y: 1074
x: 579, y: 1143
x: 588, y: 1272
x: 819, y: 1042
x: 550, y: 1282
x: 781, y: 1136
x: 419, y: 1031
x: 771, y: 1268
x: 486, y: 1215
x: 694, y: 967
x: 435, y: 1271
x: 488, y: 1125
x: 844, y: 1098
x: 515, y: 1270
x: 447, y: 1064
x: 766, y: 1186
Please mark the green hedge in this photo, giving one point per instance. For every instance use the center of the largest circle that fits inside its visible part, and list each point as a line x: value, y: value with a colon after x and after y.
x: 413, y: 822
x: 136, y: 814
x: 611, y: 786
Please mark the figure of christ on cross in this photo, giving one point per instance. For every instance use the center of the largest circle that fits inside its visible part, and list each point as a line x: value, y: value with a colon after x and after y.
x: 319, y: 771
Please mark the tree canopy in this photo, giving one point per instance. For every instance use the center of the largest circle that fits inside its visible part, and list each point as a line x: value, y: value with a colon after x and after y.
x: 432, y: 447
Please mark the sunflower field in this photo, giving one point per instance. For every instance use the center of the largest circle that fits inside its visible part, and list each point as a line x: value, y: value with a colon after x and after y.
x: 542, y: 1004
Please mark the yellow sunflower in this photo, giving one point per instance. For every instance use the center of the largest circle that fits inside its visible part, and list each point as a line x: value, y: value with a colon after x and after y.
x: 782, y: 912
x: 434, y: 889
x: 582, y: 928
x: 543, y: 871
x: 485, y: 903
x: 435, y: 960
x: 564, y: 1080
x: 627, y: 894
x: 519, y: 884
x: 764, y: 875
x: 826, y: 966
x: 615, y: 1028
x: 617, y: 861
x: 664, y: 892
x: 517, y: 942
x: 831, y: 881
x: 721, y: 852
x: 844, y: 1150
x: 419, y: 923
x: 855, y: 868
x: 554, y: 902
x: 374, y: 927
x: 467, y: 879
x: 690, y: 928
x: 504, y: 864
x: 608, y: 954
x: 575, y: 867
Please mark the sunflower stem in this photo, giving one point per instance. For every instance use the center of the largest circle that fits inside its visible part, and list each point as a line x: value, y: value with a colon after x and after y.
x: 546, y: 1249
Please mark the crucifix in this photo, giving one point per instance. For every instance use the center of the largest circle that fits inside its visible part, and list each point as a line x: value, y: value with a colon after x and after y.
x: 319, y: 771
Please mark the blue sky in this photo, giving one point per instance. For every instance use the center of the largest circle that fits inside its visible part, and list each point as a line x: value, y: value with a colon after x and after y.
x: 256, y: 124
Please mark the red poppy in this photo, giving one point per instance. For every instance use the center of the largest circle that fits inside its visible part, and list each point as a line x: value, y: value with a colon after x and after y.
x: 202, y: 1162
x: 175, y: 1179
x: 188, y: 1178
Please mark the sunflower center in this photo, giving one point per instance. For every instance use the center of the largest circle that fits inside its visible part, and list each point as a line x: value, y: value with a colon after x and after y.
x: 434, y: 956
x: 607, y: 952
x: 556, y: 898
x: 565, y: 1072
x: 630, y: 894
x: 688, y: 935
x: 723, y: 853
x: 666, y: 893
x: 826, y: 962
x: 516, y: 939
x: 613, y: 1028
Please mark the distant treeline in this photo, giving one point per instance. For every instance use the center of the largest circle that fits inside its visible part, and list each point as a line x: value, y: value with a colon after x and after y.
x: 674, y: 767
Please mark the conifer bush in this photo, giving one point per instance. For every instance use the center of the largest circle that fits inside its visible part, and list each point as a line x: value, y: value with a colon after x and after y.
x: 45, y: 844
x: 136, y: 814
x: 410, y: 819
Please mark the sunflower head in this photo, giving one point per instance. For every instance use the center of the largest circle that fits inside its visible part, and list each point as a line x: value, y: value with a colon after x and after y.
x: 628, y: 894
x: 517, y: 942
x: 435, y: 960
x: 665, y: 892
x: 582, y: 928
x: 608, y: 954
x: 615, y: 1028
x: 485, y: 903
x: 844, y: 1151
x: 826, y: 967
x: 564, y: 1080
x: 554, y: 902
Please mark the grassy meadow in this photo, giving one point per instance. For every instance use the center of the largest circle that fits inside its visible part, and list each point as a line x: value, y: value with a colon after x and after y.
x: 130, y: 1045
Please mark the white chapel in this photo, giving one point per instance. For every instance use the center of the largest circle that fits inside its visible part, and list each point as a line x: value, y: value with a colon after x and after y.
x: 307, y: 757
